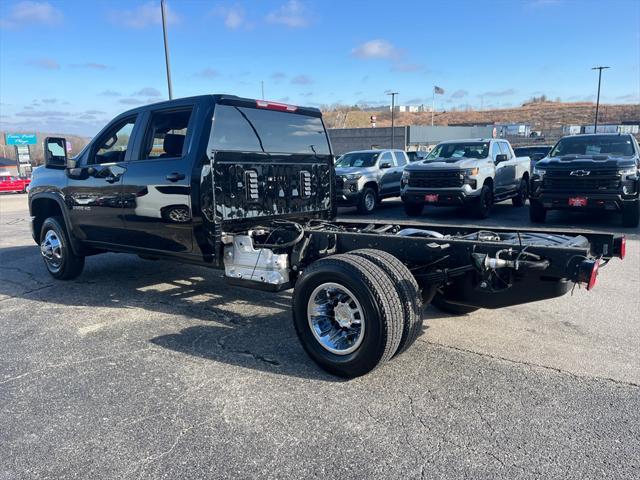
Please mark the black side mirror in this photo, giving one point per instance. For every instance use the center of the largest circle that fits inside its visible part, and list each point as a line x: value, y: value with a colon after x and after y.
x: 385, y: 165
x: 55, y: 152
x: 501, y: 157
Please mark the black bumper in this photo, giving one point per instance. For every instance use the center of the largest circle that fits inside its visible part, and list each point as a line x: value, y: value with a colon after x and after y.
x: 446, y: 198
x: 602, y: 200
x: 348, y: 198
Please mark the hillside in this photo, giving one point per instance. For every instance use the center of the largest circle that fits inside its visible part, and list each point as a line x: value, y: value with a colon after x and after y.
x: 542, y: 116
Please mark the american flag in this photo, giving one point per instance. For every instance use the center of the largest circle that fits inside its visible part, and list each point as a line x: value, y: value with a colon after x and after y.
x: 437, y: 90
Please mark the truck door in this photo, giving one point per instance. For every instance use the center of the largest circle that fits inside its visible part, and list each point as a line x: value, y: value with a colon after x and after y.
x: 388, y: 175
x: 401, y: 162
x: 94, y: 188
x: 501, y: 179
x: 509, y: 168
x: 157, y: 184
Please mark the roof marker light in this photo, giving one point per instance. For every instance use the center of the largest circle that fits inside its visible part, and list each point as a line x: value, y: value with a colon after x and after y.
x: 281, y: 107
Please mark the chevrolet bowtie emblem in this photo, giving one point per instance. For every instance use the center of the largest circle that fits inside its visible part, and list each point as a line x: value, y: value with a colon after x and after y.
x: 580, y: 173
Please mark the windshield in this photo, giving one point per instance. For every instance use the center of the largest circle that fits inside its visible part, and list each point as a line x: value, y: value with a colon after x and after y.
x: 594, y: 145
x: 459, y: 150
x: 358, y: 159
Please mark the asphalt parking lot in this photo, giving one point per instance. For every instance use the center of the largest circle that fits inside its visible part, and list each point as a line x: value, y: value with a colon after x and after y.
x: 142, y: 369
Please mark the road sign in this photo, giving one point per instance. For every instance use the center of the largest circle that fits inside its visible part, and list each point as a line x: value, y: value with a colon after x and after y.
x: 21, y: 138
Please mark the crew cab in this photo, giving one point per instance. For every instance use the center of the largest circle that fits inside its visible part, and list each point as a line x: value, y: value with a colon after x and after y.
x: 475, y: 173
x: 365, y: 177
x: 12, y: 183
x: 597, y: 172
x: 248, y: 187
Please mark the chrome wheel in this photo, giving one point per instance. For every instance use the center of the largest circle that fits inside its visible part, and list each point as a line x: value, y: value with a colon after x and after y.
x: 51, y: 250
x: 369, y: 201
x: 336, y: 318
x: 179, y: 215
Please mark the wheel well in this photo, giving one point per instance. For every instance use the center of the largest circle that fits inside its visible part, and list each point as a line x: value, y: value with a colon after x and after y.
x: 525, y: 176
x: 489, y: 182
x: 41, y: 209
x: 372, y: 185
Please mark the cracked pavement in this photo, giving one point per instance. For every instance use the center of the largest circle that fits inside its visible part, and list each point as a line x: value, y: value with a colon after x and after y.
x: 142, y: 369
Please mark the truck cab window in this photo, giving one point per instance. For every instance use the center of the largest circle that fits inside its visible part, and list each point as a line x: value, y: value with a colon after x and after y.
x: 495, y: 150
x: 166, y: 134
x: 113, y: 145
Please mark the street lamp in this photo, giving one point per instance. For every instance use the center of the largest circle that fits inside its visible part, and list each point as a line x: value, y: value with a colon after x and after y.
x: 166, y: 46
x: 393, y: 98
x: 595, y: 124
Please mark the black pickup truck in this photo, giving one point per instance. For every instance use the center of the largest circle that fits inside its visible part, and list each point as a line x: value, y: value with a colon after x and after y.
x: 599, y: 173
x: 248, y: 186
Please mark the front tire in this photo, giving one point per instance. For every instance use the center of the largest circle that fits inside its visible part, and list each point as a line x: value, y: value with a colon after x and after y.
x: 368, y: 201
x: 413, y: 209
x: 537, y: 213
x: 631, y: 215
x: 482, y: 209
x: 56, y: 251
x: 347, y: 314
x: 523, y: 193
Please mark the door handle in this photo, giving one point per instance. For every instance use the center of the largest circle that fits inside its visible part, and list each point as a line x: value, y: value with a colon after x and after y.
x: 175, y: 176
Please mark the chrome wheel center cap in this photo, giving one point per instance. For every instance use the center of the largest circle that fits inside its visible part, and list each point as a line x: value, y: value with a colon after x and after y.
x: 343, y: 315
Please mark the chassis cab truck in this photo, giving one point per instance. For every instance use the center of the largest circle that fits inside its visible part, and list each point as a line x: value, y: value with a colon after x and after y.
x: 248, y: 187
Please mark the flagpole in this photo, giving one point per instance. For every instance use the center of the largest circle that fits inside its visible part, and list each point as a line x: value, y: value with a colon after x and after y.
x: 433, y: 104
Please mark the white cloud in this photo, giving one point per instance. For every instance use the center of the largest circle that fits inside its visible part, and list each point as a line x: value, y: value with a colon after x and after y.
x: 377, y: 49
x: 292, y: 14
x: 147, y: 92
x: 459, y: 94
x: 44, y: 63
x: 207, y: 73
x: 407, y: 67
x: 142, y: 16
x: 233, y: 17
x: 30, y: 13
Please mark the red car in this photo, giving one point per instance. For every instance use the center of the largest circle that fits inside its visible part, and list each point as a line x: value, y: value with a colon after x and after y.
x: 11, y: 183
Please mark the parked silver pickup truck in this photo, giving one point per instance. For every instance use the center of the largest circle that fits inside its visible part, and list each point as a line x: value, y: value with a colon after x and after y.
x: 475, y: 173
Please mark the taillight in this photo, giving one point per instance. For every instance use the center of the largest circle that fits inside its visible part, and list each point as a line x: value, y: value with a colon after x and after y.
x: 281, y: 107
x: 620, y: 247
x: 588, y: 273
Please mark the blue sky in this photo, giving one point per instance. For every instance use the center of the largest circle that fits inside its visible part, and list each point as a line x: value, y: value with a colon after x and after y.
x: 69, y: 66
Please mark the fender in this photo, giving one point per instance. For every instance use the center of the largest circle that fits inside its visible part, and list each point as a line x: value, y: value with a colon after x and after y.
x: 76, y: 246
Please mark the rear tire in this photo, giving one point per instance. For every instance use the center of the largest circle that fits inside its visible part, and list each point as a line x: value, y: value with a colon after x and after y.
x: 368, y: 201
x: 537, y: 213
x: 56, y: 251
x: 407, y: 289
x: 443, y: 305
x: 523, y: 193
x: 482, y: 208
x: 413, y: 209
x: 631, y: 215
x: 329, y: 287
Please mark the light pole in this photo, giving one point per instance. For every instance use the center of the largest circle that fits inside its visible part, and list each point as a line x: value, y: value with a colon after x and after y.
x: 393, y: 106
x: 166, y: 47
x: 595, y: 123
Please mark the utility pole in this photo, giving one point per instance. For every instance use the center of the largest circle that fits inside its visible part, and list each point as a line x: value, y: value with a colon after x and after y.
x: 393, y: 106
x: 166, y: 47
x: 595, y: 123
x: 262, y: 87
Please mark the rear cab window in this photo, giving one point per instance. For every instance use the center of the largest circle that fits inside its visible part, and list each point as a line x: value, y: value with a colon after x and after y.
x: 245, y: 129
x: 166, y: 134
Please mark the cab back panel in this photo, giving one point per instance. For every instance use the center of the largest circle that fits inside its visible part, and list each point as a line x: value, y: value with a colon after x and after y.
x: 254, y: 185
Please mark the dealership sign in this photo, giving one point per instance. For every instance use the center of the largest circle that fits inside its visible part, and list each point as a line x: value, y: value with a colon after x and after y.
x: 21, y: 138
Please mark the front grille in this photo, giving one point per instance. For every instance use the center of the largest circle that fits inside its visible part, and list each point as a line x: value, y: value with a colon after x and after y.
x: 597, y: 180
x: 436, y: 179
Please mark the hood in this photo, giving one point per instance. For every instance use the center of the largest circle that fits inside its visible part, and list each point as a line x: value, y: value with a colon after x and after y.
x: 586, y: 161
x: 445, y: 163
x: 353, y: 170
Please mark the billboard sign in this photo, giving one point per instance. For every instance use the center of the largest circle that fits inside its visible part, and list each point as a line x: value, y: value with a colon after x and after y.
x: 20, y: 138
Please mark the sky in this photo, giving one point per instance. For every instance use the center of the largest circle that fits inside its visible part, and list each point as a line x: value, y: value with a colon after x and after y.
x: 70, y: 66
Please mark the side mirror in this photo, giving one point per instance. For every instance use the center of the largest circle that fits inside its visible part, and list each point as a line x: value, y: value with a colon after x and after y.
x: 385, y: 165
x: 55, y: 152
x: 501, y: 157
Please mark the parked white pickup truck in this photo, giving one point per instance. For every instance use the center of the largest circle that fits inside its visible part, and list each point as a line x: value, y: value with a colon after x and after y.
x: 475, y: 173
